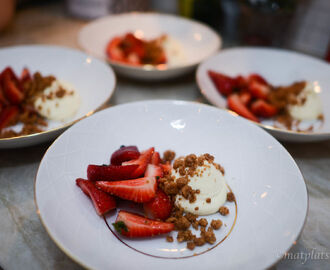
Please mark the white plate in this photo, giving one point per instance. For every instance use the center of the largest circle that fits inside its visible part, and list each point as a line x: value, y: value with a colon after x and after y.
x: 93, y: 80
x: 270, y: 190
x: 279, y: 67
x: 198, y: 40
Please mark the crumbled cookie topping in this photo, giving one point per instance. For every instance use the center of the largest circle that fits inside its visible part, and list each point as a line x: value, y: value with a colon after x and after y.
x: 224, y: 210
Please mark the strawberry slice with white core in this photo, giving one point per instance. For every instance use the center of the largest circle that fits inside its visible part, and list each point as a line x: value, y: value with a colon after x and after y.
x: 133, y: 225
x: 155, y: 159
x: 259, y: 90
x: 103, y: 202
x: 110, y: 172
x: 153, y: 170
x: 137, y: 190
x: 142, y: 162
x: 235, y: 104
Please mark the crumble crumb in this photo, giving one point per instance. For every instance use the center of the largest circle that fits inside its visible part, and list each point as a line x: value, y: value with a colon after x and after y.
x: 224, y: 210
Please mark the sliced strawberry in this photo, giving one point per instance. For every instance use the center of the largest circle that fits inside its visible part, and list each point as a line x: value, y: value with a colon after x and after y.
x: 12, y: 92
x: 259, y: 90
x: 137, y: 190
x: 3, y: 99
x: 133, y: 225
x: 240, y: 82
x: 154, y: 170
x: 142, y: 161
x: 25, y: 75
x: 103, y: 202
x: 166, y: 167
x: 159, y: 207
x: 263, y: 109
x: 223, y: 83
x: 258, y: 78
x: 124, y: 153
x: 113, y: 50
x: 245, y: 97
x: 235, y: 104
x: 110, y: 172
x: 8, y: 115
x: 155, y: 159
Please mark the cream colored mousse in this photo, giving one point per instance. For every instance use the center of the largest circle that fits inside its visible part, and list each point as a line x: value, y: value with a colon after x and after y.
x: 58, y: 102
x: 309, y: 106
x: 173, y: 51
x: 212, y: 186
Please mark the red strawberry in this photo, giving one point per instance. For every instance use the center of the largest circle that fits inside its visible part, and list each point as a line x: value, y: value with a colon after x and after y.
x: 240, y: 82
x: 25, y: 75
x: 103, y: 202
x: 159, y: 207
x: 142, y: 161
x: 124, y: 153
x: 223, y: 83
x: 154, y: 170
x: 133, y: 225
x: 258, y: 78
x: 113, y: 50
x: 235, y: 104
x: 155, y: 159
x: 166, y: 167
x: 8, y: 115
x: 111, y: 172
x: 263, y: 109
x: 259, y: 90
x: 12, y: 92
x: 137, y: 190
x: 245, y: 97
x: 3, y: 99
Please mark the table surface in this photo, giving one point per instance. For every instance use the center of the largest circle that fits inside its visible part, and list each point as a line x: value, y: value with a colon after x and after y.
x: 24, y: 242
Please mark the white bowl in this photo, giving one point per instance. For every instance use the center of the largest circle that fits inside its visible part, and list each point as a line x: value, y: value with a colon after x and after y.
x: 93, y: 80
x: 198, y: 41
x: 279, y: 67
x: 269, y: 188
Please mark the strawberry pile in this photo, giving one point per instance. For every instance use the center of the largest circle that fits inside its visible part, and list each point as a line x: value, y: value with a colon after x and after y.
x: 247, y: 96
x: 11, y: 95
x: 131, y: 50
x: 132, y: 176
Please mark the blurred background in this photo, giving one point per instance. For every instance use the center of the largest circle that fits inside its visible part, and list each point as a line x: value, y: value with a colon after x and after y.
x: 301, y: 25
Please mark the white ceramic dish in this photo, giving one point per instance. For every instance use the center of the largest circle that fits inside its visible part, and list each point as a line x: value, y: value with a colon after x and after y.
x: 269, y: 188
x: 198, y: 41
x: 93, y: 80
x: 279, y: 67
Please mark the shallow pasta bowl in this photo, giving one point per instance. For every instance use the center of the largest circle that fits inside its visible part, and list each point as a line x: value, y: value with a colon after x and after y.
x: 271, y: 196
x: 198, y: 41
x: 279, y: 67
x: 93, y: 80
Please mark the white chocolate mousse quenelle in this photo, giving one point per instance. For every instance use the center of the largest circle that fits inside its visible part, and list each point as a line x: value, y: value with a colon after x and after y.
x: 207, y: 188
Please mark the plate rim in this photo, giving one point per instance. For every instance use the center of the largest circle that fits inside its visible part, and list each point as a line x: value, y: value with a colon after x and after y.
x: 77, y: 260
x: 56, y: 129
x: 267, y: 127
x: 149, y: 68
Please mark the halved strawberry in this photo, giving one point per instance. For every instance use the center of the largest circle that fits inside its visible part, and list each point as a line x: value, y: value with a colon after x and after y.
x: 259, y: 90
x: 235, y: 104
x: 258, y: 78
x: 159, y: 207
x: 154, y: 170
x: 12, y: 92
x: 245, y: 97
x: 223, y: 83
x: 263, y: 109
x: 103, y: 202
x: 155, y: 159
x: 110, y: 172
x: 142, y: 161
x: 25, y: 75
x: 8, y: 115
x: 166, y: 167
x: 3, y: 99
x: 137, y: 190
x: 113, y: 50
x: 133, y: 225
x: 240, y: 82
x: 124, y: 153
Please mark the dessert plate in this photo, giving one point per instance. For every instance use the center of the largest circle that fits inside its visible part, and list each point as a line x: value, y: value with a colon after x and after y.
x: 198, y: 41
x: 270, y: 191
x: 93, y: 80
x: 279, y: 67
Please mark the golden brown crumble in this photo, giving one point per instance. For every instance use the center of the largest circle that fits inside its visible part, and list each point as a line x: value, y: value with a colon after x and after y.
x: 224, y: 210
x: 216, y: 224
x: 169, y: 239
x: 230, y: 197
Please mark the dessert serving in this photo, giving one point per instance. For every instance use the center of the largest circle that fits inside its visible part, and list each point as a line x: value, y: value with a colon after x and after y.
x: 132, y: 50
x: 256, y: 99
x: 28, y: 101
x: 167, y: 197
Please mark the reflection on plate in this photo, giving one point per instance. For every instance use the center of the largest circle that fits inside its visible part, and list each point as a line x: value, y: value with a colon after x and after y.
x: 93, y: 80
x: 269, y: 188
x: 279, y: 67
